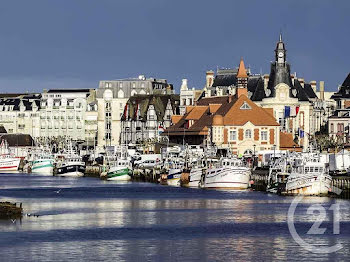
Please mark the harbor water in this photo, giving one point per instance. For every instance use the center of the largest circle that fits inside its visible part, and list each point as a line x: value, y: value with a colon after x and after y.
x: 87, y: 219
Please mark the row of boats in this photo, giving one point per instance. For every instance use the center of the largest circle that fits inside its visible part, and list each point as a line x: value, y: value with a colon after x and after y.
x: 290, y: 173
x: 42, y: 161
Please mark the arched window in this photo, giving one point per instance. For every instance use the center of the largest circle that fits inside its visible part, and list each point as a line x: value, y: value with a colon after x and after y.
x: 248, y: 133
x: 120, y: 93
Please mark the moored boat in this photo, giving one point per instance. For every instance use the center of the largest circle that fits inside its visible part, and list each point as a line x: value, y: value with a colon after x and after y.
x: 9, y: 163
x: 120, y: 170
x: 230, y: 173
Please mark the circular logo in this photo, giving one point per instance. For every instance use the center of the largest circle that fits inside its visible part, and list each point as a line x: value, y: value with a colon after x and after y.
x: 315, y: 229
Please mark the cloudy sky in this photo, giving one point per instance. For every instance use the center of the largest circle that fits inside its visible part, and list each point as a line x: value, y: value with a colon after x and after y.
x: 76, y: 43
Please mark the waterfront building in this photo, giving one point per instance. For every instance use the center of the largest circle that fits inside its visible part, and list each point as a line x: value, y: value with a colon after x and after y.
x: 146, y: 116
x: 19, y: 113
x: 112, y: 96
x: 339, y: 122
x: 291, y: 98
x: 62, y: 113
x: 187, y: 96
x: 231, y: 122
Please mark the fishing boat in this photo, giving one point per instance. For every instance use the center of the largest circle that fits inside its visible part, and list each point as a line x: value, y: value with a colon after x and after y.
x: 120, y: 170
x: 195, y: 177
x: 8, y: 161
x: 70, y: 164
x: 229, y: 173
x: 309, y: 176
x: 42, y: 164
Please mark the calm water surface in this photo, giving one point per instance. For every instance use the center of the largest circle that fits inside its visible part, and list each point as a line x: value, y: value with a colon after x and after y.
x: 93, y: 220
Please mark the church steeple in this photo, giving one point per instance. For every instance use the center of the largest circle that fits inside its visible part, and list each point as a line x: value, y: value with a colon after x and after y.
x: 280, y: 51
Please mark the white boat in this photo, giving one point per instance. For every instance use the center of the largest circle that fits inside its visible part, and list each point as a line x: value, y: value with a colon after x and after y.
x: 42, y: 164
x: 9, y: 163
x: 230, y: 173
x: 120, y: 170
x: 309, y: 177
x: 195, y: 177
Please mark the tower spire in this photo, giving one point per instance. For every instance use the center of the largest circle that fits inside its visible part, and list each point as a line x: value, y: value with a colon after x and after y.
x: 242, y: 72
x: 280, y: 36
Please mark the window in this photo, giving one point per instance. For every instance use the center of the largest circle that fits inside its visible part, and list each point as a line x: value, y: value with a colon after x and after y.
x: 248, y: 133
x: 142, y: 84
x: 332, y: 128
x: 151, y: 117
x: 245, y: 106
x: 121, y: 105
x: 108, y: 84
x: 133, y: 84
x: 233, y: 135
x: 121, y: 84
x: 263, y: 135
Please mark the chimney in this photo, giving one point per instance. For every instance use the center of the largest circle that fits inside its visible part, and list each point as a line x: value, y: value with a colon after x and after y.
x: 301, y: 81
x: 322, y: 90
x: 184, y: 85
x: 242, y: 91
x: 313, y: 85
x: 266, y: 81
x: 292, y: 77
x: 209, y: 78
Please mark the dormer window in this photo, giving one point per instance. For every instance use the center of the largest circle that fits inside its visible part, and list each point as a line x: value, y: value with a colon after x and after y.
x: 245, y: 106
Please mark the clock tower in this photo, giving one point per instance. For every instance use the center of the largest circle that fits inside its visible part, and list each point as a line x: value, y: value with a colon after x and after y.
x: 280, y: 52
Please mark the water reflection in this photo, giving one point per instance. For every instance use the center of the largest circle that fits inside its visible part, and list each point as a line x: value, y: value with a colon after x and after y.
x: 91, y: 220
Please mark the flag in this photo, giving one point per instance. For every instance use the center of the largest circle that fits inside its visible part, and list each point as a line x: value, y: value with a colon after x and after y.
x: 160, y: 129
x: 293, y: 112
x: 301, y: 133
x: 296, y: 110
x: 125, y: 111
x: 286, y: 111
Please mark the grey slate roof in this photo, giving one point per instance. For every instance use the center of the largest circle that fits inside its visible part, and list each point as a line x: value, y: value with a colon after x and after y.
x: 344, y: 91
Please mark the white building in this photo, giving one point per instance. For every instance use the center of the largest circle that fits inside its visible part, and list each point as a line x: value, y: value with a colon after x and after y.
x: 188, y: 96
x: 62, y: 113
x: 112, y: 96
x: 20, y: 114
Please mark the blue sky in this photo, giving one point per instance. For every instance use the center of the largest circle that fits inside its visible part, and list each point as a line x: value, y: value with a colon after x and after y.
x: 76, y: 43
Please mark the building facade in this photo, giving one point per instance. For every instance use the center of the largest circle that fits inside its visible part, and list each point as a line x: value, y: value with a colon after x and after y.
x: 20, y: 113
x: 188, y: 97
x: 112, y: 96
x: 63, y: 112
x: 292, y: 99
x: 146, y: 116
x: 230, y: 122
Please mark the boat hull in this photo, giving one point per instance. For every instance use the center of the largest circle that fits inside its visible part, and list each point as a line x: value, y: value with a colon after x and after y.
x: 43, y: 167
x: 310, y: 186
x: 71, y: 171
x: 195, y: 177
x: 173, y: 177
x: 121, y: 174
x: 10, y: 164
x: 227, y: 178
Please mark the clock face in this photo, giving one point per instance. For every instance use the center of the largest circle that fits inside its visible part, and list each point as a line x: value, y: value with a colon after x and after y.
x: 280, y: 54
